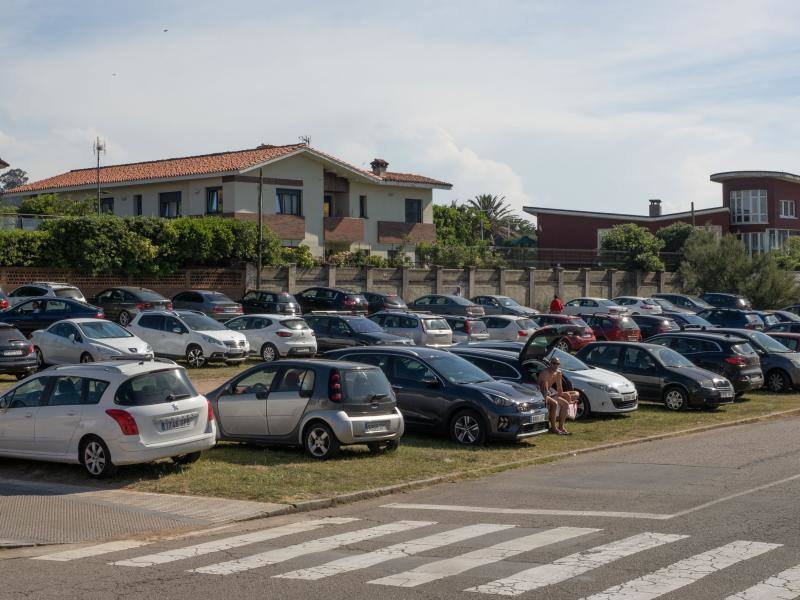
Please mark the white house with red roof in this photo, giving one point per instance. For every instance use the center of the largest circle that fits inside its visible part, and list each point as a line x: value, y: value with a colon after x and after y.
x: 309, y: 197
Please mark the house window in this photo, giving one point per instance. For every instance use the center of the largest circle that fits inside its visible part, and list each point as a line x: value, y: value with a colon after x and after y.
x: 290, y: 202
x: 788, y: 209
x: 764, y: 241
x: 362, y: 207
x: 749, y: 206
x: 601, y: 233
x: 169, y: 204
x: 107, y: 206
x: 413, y: 210
x: 214, y: 201
x: 137, y: 205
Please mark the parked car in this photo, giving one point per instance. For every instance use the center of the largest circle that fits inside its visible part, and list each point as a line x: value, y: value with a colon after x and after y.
x: 794, y: 308
x: 335, y: 331
x: 729, y: 355
x: 767, y: 317
x: 31, y: 315
x: 685, y: 301
x: 781, y: 366
x: 122, y: 303
x: 790, y: 340
x: 44, y: 289
x: 377, y: 302
x: 447, y: 304
x: 467, y: 329
x: 503, y: 305
x: 4, y: 303
x: 668, y: 308
x: 637, y: 305
x: 726, y: 300
x: 260, y: 302
x: 507, y: 327
x: 660, y: 374
x: 423, y: 329
x: 653, y: 325
x: 785, y: 327
x: 732, y: 317
x: 619, y: 328
x: 276, y: 336
x: 690, y: 320
x: 324, y: 298
x: 86, y: 340
x: 320, y: 405
x: 569, y: 342
x: 785, y: 316
x: 17, y: 356
x: 589, y: 306
x: 443, y: 392
x: 190, y: 335
x: 105, y: 415
x: 213, y: 304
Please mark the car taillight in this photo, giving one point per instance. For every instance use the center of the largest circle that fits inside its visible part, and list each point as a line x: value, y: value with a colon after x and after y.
x: 587, y: 332
x: 169, y: 305
x: 349, y: 301
x: 738, y: 361
x: 3, y: 304
x: 238, y: 308
x: 143, y: 305
x: 335, y: 386
x: 29, y: 350
x: 284, y: 333
x: 100, y: 315
x: 217, y: 309
x: 210, y: 411
x: 125, y: 421
x: 467, y: 327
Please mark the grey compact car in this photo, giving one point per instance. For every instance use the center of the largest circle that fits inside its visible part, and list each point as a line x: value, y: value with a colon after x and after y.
x: 467, y: 329
x: 503, y: 305
x: 320, y: 405
x: 214, y: 304
x: 424, y: 329
x: 44, y: 289
x: 124, y: 303
x: 447, y: 304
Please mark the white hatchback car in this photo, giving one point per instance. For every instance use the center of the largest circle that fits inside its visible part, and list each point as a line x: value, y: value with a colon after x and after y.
x: 637, y: 305
x: 86, y: 340
x: 276, y: 336
x: 106, y: 414
x: 589, y: 306
x: 510, y: 328
x: 190, y: 335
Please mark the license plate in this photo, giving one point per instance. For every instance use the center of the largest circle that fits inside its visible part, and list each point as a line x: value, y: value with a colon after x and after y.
x: 538, y: 418
x: 303, y: 350
x: 376, y: 427
x: 12, y: 353
x: 177, y: 422
x: 726, y: 394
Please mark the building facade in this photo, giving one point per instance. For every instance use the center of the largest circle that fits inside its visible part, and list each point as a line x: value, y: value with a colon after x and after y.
x: 308, y: 196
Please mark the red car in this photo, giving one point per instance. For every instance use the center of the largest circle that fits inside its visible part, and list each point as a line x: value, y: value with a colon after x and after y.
x: 570, y: 343
x: 614, y: 328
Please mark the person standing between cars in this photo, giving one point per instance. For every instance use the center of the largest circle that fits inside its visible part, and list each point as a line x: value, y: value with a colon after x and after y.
x: 551, y: 384
x: 556, y: 306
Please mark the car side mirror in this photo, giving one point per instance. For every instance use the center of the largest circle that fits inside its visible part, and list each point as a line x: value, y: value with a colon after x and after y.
x: 177, y: 330
x: 71, y: 337
x: 262, y: 395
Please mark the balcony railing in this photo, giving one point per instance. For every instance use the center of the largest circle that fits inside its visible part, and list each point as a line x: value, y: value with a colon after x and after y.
x: 396, y: 232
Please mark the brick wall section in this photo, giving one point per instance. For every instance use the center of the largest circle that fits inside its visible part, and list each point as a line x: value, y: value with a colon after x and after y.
x: 286, y: 227
x: 343, y: 229
x: 394, y: 232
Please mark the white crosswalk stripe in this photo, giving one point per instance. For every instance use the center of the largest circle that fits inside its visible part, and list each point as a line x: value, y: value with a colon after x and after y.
x: 369, y: 559
x: 684, y: 572
x: 272, y: 557
x: 484, y: 556
x: 783, y: 586
x: 574, y: 564
x: 231, y: 542
x: 89, y: 551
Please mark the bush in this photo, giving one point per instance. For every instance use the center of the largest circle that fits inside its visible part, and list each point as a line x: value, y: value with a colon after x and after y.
x: 641, y: 247
x: 458, y: 257
x: 299, y: 255
x: 53, y: 204
x: 21, y: 248
x: 674, y: 236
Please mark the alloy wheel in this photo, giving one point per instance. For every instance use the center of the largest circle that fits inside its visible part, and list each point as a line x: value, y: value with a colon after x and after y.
x: 319, y: 442
x: 674, y: 400
x: 563, y: 345
x: 467, y: 429
x: 776, y: 382
x: 268, y: 353
x: 124, y: 319
x: 195, y: 357
x: 94, y: 458
x: 39, y: 359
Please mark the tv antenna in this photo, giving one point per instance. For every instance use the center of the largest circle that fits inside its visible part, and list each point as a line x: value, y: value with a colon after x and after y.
x: 98, y: 148
x: 305, y: 139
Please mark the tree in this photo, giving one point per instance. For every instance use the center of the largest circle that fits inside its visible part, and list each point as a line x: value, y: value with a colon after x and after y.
x: 459, y: 225
x: 674, y: 236
x: 641, y: 247
x: 53, y: 204
x: 11, y: 179
x: 788, y: 257
x: 496, y: 211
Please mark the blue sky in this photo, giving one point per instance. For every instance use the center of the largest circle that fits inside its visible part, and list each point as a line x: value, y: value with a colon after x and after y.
x: 584, y: 105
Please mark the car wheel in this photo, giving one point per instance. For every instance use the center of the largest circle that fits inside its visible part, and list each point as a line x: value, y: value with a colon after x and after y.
x: 381, y: 447
x: 195, y: 356
x: 96, y: 459
x: 269, y: 353
x: 675, y: 399
x: 563, y: 345
x: 124, y: 318
x: 584, y: 409
x: 86, y: 358
x: 186, y: 459
x: 466, y: 427
x: 320, y: 442
x: 778, y: 381
x: 40, y: 364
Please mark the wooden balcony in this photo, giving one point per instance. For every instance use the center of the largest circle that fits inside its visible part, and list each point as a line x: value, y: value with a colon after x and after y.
x: 343, y: 229
x: 396, y: 232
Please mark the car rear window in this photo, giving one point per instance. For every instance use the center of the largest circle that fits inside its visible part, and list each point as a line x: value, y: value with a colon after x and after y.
x: 579, y: 322
x: 627, y: 323
x: 435, y: 324
x: 363, y: 386
x: 294, y: 324
x: 156, y: 387
x: 743, y: 349
x: 753, y: 318
x: 526, y: 323
x: 73, y: 293
x: 150, y: 296
x: 477, y: 326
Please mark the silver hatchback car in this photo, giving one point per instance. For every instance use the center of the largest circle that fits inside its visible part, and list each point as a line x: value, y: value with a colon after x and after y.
x: 320, y: 405
x: 425, y: 329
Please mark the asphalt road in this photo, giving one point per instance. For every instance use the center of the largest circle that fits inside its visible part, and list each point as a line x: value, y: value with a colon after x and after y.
x: 710, y: 516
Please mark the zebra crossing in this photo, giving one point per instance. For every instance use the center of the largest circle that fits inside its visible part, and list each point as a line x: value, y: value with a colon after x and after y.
x: 291, y: 541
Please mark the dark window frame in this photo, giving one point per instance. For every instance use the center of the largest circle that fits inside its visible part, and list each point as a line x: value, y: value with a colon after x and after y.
x: 216, y: 193
x: 295, y: 207
x: 107, y: 205
x: 362, y: 207
x: 137, y: 205
x: 414, y: 205
x: 168, y: 198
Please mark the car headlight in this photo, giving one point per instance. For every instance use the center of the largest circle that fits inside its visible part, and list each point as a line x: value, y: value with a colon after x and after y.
x: 211, y: 340
x: 148, y: 349
x: 610, y: 388
x: 707, y: 383
x: 498, y: 400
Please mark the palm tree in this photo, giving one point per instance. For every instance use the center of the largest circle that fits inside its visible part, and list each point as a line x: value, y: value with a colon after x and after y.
x: 496, y: 211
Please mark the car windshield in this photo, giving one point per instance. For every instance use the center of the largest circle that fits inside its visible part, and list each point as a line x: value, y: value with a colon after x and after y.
x: 458, y: 370
x: 526, y: 323
x: 569, y: 362
x: 768, y: 343
x: 506, y: 301
x: 73, y: 293
x: 156, y: 387
x: 197, y: 322
x: 699, y: 302
x: 578, y: 321
x: 665, y: 304
x: 364, y: 326
x: 670, y: 358
x: 101, y: 330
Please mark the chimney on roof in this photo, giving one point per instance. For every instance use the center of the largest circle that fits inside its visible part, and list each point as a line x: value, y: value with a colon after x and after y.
x: 655, y: 207
x: 379, y: 166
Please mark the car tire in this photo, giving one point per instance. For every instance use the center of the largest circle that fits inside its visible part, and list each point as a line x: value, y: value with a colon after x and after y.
x: 467, y: 428
x: 187, y: 459
x: 86, y: 358
x: 563, y: 345
x: 381, y: 447
x: 778, y: 381
x: 40, y: 364
x: 124, y: 318
x: 584, y: 408
x: 195, y: 357
x: 675, y: 398
x: 95, y: 458
x: 269, y: 353
x: 320, y: 442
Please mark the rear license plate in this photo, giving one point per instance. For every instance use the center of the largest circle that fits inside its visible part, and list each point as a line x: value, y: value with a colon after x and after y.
x: 726, y: 394
x: 12, y: 352
x: 177, y: 422
x: 302, y: 350
x: 538, y: 418
x: 376, y: 427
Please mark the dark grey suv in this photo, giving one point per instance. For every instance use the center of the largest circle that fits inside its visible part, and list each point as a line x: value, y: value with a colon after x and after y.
x: 447, y: 304
x: 124, y: 303
x: 443, y: 392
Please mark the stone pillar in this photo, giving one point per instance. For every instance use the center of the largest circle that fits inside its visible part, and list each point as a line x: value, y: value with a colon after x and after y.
x: 587, y: 283
x: 291, y: 278
x: 531, y: 286
x: 439, y: 279
x: 249, y: 276
x: 367, y: 278
x: 559, y: 281
x: 612, y: 282
x: 471, y: 291
x: 404, y: 284
x: 637, y: 282
x: 662, y: 282
x: 501, y: 278
x: 331, y: 275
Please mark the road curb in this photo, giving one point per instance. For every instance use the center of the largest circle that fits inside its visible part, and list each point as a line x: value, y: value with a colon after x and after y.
x: 350, y: 497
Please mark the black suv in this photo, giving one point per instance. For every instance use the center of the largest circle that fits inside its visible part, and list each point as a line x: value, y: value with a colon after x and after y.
x: 689, y: 320
x: 781, y: 366
x: 732, y: 317
x: 730, y: 356
x: 660, y: 374
x: 16, y: 353
x: 336, y: 331
x: 726, y: 300
x: 447, y: 304
x: 256, y: 302
x: 325, y: 298
x: 684, y: 301
x: 442, y: 392
x: 651, y: 325
x: 378, y: 301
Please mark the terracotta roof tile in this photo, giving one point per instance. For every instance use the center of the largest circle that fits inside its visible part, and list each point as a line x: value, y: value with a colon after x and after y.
x: 411, y: 178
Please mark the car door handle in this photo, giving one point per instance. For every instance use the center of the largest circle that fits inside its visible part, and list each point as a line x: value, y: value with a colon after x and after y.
x: 28, y: 415
x: 71, y: 413
x: 397, y: 387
